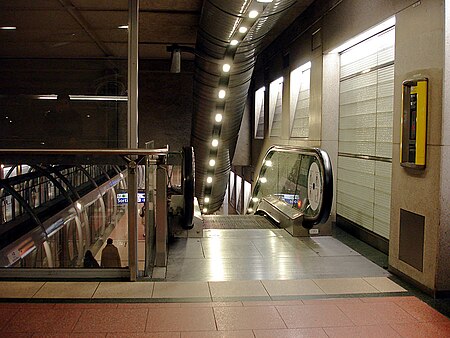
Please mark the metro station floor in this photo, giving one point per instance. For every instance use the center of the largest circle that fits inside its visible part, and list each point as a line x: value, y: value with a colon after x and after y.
x: 233, y: 283
x: 338, y: 317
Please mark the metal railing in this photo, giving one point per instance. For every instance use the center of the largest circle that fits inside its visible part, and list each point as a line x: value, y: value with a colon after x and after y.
x: 84, y: 217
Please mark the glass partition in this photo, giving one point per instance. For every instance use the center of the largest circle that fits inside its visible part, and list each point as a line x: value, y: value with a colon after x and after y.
x: 63, y: 74
x: 52, y: 215
x: 54, y: 206
x: 74, y: 104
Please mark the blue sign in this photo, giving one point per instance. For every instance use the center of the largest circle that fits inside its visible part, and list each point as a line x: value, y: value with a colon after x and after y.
x: 122, y: 198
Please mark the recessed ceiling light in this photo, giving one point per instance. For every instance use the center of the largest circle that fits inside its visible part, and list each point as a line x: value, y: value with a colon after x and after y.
x: 226, y: 67
x: 206, y: 200
x: 219, y: 117
x: 8, y: 28
x: 209, y: 179
x: 243, y: 29
x: 98, y: 98
x: 222, y: 94
x: 85, y: 97
x: 205, y: 210
x: 234, y: 42
x: 215, y: 142
x: 253, y: 14
x: 212, y: 163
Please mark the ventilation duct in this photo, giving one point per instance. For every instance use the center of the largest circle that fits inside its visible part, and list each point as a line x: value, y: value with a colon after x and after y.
x: 219, y: 25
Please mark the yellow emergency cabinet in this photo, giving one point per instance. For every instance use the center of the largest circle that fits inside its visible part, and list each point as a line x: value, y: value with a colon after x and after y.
x: 413, y: 143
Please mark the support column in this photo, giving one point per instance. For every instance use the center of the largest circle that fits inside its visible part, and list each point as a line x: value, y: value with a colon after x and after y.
x: 133, y: 44
x: 132, y: 137
x: 443, y: 259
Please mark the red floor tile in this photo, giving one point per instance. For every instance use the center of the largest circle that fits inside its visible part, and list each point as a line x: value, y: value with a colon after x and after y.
x: 313, y: 316
x: 112, y: 320
x: 6, y: 314
x: 376, y: 313
x: 422, y: 312
x: 390, y: 299
x: 16, y: 335
x: 69, y: 335
x: 421, y: 330
x: 43, y: 321
x: 147, y: 305
x: 373, y: 331
x: 210, y: 304
x: 273, y: 302
x: 331, y: 301
x: 145, y: 335
x: 178, y: 319
x: 36, y: 305
x: 247, y: 318
x: 218, y: 334
x: 291, y: 333
x: 86, y: 306
x: 9, y: 305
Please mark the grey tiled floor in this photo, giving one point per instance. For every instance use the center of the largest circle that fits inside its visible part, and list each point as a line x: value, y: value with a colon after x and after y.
x: 256, y: 254
x: 250, y: 290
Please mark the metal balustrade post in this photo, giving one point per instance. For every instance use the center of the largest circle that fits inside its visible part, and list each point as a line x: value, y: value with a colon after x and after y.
x: 132, y: 221
x: 149, y: 218
x: 161, y: 216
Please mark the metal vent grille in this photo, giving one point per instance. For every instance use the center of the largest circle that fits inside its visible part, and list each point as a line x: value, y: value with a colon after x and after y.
x: 236, y: 222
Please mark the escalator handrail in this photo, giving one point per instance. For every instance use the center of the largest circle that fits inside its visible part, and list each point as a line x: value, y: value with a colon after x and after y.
x: 188, y: 187
x: 327, y: 176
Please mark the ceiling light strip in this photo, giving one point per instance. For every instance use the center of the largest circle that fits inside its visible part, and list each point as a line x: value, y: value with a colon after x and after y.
x: 239, y: 35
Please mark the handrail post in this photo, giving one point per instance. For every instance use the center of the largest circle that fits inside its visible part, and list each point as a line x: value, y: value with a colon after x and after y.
x: 132, y: 221
x: 161, y: 216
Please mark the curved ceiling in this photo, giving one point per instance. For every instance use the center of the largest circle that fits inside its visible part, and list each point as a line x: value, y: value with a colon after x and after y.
x: 231, y: 33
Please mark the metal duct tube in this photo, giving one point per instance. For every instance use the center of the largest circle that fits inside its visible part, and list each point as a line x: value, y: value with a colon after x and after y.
x: 218, y: 25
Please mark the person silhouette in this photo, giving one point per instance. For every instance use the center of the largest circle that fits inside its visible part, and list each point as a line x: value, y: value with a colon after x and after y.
x: 63, y: 124
x: 89, y: 260
x: 110, y: 255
